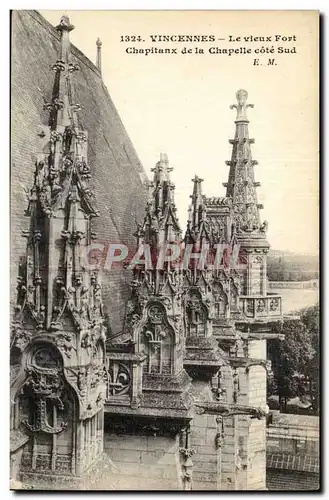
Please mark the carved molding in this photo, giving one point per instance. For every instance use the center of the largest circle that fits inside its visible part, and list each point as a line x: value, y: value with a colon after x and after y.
x: 227, y: 410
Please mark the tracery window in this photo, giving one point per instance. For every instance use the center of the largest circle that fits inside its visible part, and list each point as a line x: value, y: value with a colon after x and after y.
x: 196, y: 315
x: 157, y: 342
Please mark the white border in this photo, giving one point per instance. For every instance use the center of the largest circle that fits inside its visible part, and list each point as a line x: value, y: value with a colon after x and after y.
x: 5, y: 6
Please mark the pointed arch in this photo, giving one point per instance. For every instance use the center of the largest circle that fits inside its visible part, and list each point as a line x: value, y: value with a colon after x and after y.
x: 156, y: 338
x: 196, y: 313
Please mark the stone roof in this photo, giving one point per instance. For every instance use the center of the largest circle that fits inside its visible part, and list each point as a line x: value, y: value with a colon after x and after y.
x: 117, y: 174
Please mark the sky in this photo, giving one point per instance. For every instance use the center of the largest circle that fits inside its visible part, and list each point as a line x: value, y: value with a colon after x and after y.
x: 180, y: 103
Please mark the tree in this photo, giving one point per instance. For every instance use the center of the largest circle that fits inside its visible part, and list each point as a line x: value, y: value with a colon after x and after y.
x: 291, y: 361
x: 310, y: 317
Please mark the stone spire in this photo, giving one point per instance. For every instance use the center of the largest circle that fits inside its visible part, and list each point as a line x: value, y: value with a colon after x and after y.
x: 198, y: 231
x: 241, y: 185
x: 153, y: 323
x: 201, y: 356
x: 61, y: 194
x: 62, y: 108
x: 197, y: 209
x: 99, y: 54
x: 160, y: 223
x: 58, y: 331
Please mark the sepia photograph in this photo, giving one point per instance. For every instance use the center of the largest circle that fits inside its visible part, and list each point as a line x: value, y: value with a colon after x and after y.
x: 164, y: 250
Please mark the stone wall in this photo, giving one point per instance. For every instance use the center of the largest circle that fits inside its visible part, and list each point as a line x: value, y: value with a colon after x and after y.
x: 256, y: 455
x: 206, y: 461
x: 229, y: 477
x: 290, y: 433
x: 145, y: 462
x: 293, y: 461
x: 257, y: 428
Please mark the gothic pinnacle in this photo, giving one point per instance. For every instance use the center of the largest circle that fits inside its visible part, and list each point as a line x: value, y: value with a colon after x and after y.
x: 196, y: 188
x: 64, y: 24
x: 164, y: 162
x: 62, y: 108
x: 162, y: 169
x: 241, y: 107
x: 241, y: 185
x: 99, y: 54
x: 164, y: 158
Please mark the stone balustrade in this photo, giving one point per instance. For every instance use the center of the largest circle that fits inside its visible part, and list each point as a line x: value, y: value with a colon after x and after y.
x: 261, y: 307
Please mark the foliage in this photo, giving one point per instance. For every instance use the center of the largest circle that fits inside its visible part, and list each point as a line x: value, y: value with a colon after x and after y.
x: 292, y: 267
x: 295, y: 360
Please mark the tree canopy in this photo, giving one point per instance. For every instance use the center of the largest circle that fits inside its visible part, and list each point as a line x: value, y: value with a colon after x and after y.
x: 295, y: 360
x: 287, y: 266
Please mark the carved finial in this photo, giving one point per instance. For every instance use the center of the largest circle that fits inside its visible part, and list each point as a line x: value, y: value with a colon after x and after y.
x: 197, y: 179
x: 163, y: 166
x: 64, y: 24
x: 241, y: 107
x: 196, y: 189
x: 164, y: 158
x: 99, y: 54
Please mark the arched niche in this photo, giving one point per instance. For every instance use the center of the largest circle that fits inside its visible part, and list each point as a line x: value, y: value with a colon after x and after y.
x: 220, y: 301
x: 45, y: 408
x: 157, y: 339
x: 234, y: 295
x: 196, y: 314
